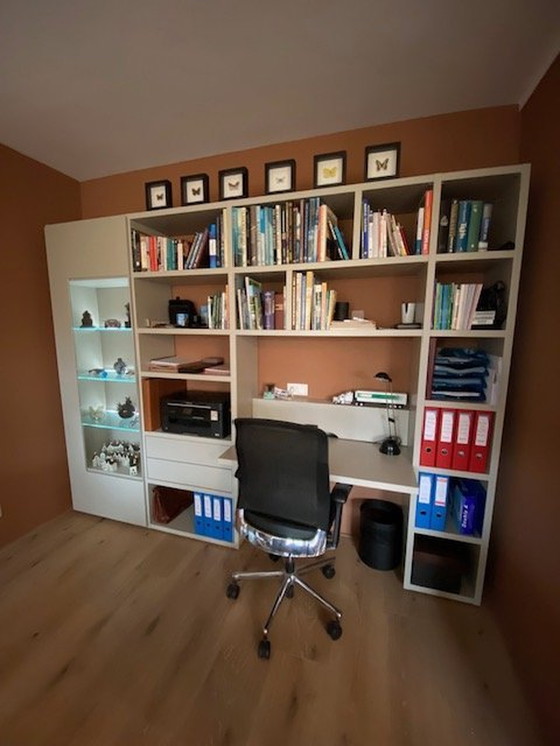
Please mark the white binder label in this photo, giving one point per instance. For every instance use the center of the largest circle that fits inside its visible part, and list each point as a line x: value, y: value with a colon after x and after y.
x: 227, y: 510
x: 446, y: 435
x: 440, y: 497
x: 424, y: 489
x: 482, y: 428
x: 463, y: 428
x: 430, y: 424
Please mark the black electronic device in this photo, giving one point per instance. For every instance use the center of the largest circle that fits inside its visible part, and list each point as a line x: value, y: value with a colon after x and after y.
x: 182, y: 313
x: 204, y: 413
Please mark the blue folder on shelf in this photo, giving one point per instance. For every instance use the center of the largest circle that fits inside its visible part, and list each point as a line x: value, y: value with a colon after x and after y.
x: 207, y: 514
x: 424, y: 500
x: 440, y: 499
x: 227, y: 518
x: 198, y: 516
x: 217, y: 528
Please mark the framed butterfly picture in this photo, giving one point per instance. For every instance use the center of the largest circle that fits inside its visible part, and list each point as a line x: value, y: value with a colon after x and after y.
x: 382, y: 161
x: 158, y: 195
x: 234, y: 183
x: 279, y: 176
x: 194, y: 189
x: 329, y: 169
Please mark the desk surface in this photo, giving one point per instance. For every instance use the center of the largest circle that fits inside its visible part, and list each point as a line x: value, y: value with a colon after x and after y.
x: 361, y: 464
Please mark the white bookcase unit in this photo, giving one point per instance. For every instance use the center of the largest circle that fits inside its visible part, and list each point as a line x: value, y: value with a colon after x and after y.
x: 245, y: 258
x: 90, y: 292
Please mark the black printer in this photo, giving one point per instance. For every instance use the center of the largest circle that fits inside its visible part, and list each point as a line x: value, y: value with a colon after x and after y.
x: 206, y: 413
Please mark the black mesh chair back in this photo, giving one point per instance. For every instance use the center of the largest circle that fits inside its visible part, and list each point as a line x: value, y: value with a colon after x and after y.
x: 283, y: 471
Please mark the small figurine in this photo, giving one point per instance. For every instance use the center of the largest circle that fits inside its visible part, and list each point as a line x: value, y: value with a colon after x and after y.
x: 87, y: 321
x: 101, y: 372
x: 120, y: 366
x: 126, y: 409
x: 96, y: 413
x: 112, y: 324
x: 127, y: 322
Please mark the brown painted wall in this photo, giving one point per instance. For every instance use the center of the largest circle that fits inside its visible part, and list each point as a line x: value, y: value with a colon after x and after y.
x: 472, y: 139
x: 486, y: 137
x: 34, y: 477
x: 525, y: 544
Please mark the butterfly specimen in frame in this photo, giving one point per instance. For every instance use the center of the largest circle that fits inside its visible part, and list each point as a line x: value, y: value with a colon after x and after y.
x: 194, y: 189
x: 329, y: 169
x: 382, y: 161
x: 233, y: 184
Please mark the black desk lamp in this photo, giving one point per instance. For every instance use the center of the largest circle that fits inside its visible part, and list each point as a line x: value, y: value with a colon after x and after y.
x: 391, y: 444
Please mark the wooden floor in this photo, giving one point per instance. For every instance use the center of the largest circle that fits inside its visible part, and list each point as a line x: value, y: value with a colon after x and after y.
x: 111, y: 634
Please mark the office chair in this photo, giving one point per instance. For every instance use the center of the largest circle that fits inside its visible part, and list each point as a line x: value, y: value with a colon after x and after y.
x: 286, y: 507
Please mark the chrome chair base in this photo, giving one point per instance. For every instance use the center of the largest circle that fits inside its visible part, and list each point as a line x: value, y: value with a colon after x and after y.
x: 291, y: 577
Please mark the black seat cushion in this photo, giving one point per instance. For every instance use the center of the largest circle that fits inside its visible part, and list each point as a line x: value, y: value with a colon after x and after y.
x: 283, y: 529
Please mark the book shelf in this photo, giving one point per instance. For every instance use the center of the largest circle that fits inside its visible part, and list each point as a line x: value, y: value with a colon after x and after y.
x: 376, y: 285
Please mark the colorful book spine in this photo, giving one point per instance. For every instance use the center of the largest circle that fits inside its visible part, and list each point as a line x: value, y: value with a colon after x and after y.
x: 426, y: 230
x: 475, y: 221
x: 463, y: 216
x: 485, y: 226
x: 452, y: 235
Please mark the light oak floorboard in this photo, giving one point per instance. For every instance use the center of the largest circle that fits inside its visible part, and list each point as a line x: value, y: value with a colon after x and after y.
x: 114, y: 635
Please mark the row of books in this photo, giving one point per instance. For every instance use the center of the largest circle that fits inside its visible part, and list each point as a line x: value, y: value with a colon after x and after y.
x: 312, y: 302
x: 299, y: 231
x: 450, y: 503
x: 464, y: 374
x: 455, y: 304
x: 255, y: 308
x: 464, y: 225
x: 382, y: 234
x: 456, y: 439
x: 162, y: 253
x: 213, y: 516
x: 217, y: 311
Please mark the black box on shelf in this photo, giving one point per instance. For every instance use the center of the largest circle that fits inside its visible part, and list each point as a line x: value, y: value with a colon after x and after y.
x: 439, y: 563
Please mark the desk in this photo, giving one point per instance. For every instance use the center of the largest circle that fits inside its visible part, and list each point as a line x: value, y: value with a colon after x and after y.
x: 362, y: 465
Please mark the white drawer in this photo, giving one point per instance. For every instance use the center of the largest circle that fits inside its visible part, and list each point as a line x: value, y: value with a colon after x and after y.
x: 189, y: 476
x: 185, y: 449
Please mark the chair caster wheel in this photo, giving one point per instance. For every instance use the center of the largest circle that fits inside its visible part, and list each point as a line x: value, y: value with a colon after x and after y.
x: 334, y: 630
x: 263, y: 650
x: 328, y: 571
x: 232, y: 591
x: 290, y: 591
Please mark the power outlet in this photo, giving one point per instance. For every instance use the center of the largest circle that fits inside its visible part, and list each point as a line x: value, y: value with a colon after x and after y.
x: 298, y: 389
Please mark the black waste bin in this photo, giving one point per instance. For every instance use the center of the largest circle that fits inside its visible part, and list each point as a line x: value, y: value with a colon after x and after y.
x: 381, y: 534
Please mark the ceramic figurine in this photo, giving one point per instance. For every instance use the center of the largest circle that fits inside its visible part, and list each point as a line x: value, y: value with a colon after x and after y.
x: 120, y: 366
x: 126, y: 409
x: 87, y: 321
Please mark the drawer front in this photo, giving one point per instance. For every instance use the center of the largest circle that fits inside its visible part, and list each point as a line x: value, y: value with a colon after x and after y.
x: 191, y: 476
x: 201, y: 451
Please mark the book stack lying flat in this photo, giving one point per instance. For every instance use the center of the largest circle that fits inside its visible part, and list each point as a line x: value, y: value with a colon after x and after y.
x: 170, y: 364
x: 174, y: 364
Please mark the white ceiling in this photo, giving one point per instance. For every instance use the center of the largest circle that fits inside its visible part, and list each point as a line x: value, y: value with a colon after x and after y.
x: 97, y: 87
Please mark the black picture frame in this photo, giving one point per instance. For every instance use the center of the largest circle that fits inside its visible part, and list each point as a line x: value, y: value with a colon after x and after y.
x: 234, y: 183
x: 158, y: 195
x: 195, y: 189
x: 280, y: 176
x: 382, y: 161
x: 329, y: 169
